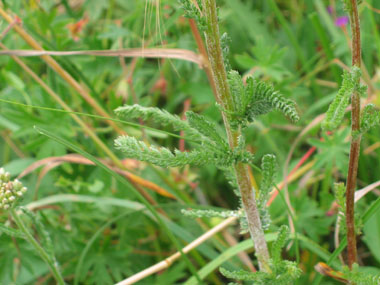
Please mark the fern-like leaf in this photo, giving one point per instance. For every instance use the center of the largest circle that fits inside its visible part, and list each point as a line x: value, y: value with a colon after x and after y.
x: 159, y: 116
x: 225, y: 41
x: 337, y: 108
x: 279, y: 243
x: 161, y: 156
x: 208, y: 130
x: 241, y: 154
x: 286, y: 272
x: 360, y: 278
x: 194, y: 213
x: 255, y: 99
x: 261, y: 98
x: 283, y: 273
x: 237, y: 90
x: 194, y: 11
x: 370, y: 118
x: 166, y: 158
x: 268, y: 167
x: 243, y: 275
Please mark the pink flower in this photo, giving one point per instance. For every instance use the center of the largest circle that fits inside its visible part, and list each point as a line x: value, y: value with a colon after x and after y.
x: 341, y: 21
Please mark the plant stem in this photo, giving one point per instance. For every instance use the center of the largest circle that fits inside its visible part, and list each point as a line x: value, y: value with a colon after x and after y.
x: 355, y: 143
x: 43, y: 254
x: 224, y: 98
x: 203, y: 52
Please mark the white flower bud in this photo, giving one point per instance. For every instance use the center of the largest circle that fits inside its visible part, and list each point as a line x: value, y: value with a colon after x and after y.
x: 9, y: 190
x: 17, y: 185
x: 5, y: 176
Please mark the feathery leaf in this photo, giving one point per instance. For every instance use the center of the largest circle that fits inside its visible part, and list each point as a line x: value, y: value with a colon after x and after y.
x: 240, y: 152
x: 370, y: 118
x: 360, y: 278
x: 192, y: 11
x: 264, y: 98
x: 243, y: 275
x: 166, y: 158
x: 237, y: 89
x: 207, y: 129
x: 337, y: 108
x: 255, y: 99
x: 160, y: 156
x: 279, y: 243
x: 225, y: 41
x: 195, y: 213
x: 268, y: 166
x: 159, y: 116
x: 283, y: 273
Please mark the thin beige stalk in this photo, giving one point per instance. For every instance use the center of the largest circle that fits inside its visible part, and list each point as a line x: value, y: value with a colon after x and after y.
x: 172, y: 53
x: 169, y: 261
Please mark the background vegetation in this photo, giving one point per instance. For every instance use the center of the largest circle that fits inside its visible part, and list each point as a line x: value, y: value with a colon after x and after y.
x: 101, y: 232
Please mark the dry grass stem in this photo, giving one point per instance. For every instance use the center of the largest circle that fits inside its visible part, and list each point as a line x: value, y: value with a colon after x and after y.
x: 169, y: 261
x: 182, y: 54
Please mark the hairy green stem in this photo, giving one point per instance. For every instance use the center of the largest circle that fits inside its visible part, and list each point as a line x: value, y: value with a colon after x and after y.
x: 224, y: 98
x: 355, y: 143
x: 43, y: 254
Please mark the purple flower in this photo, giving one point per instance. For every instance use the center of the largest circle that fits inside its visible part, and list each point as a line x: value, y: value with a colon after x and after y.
x: 341, y: 21
x: 330, y: 9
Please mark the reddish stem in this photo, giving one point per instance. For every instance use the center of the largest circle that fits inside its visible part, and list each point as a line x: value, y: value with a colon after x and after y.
x: 355, y: 143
